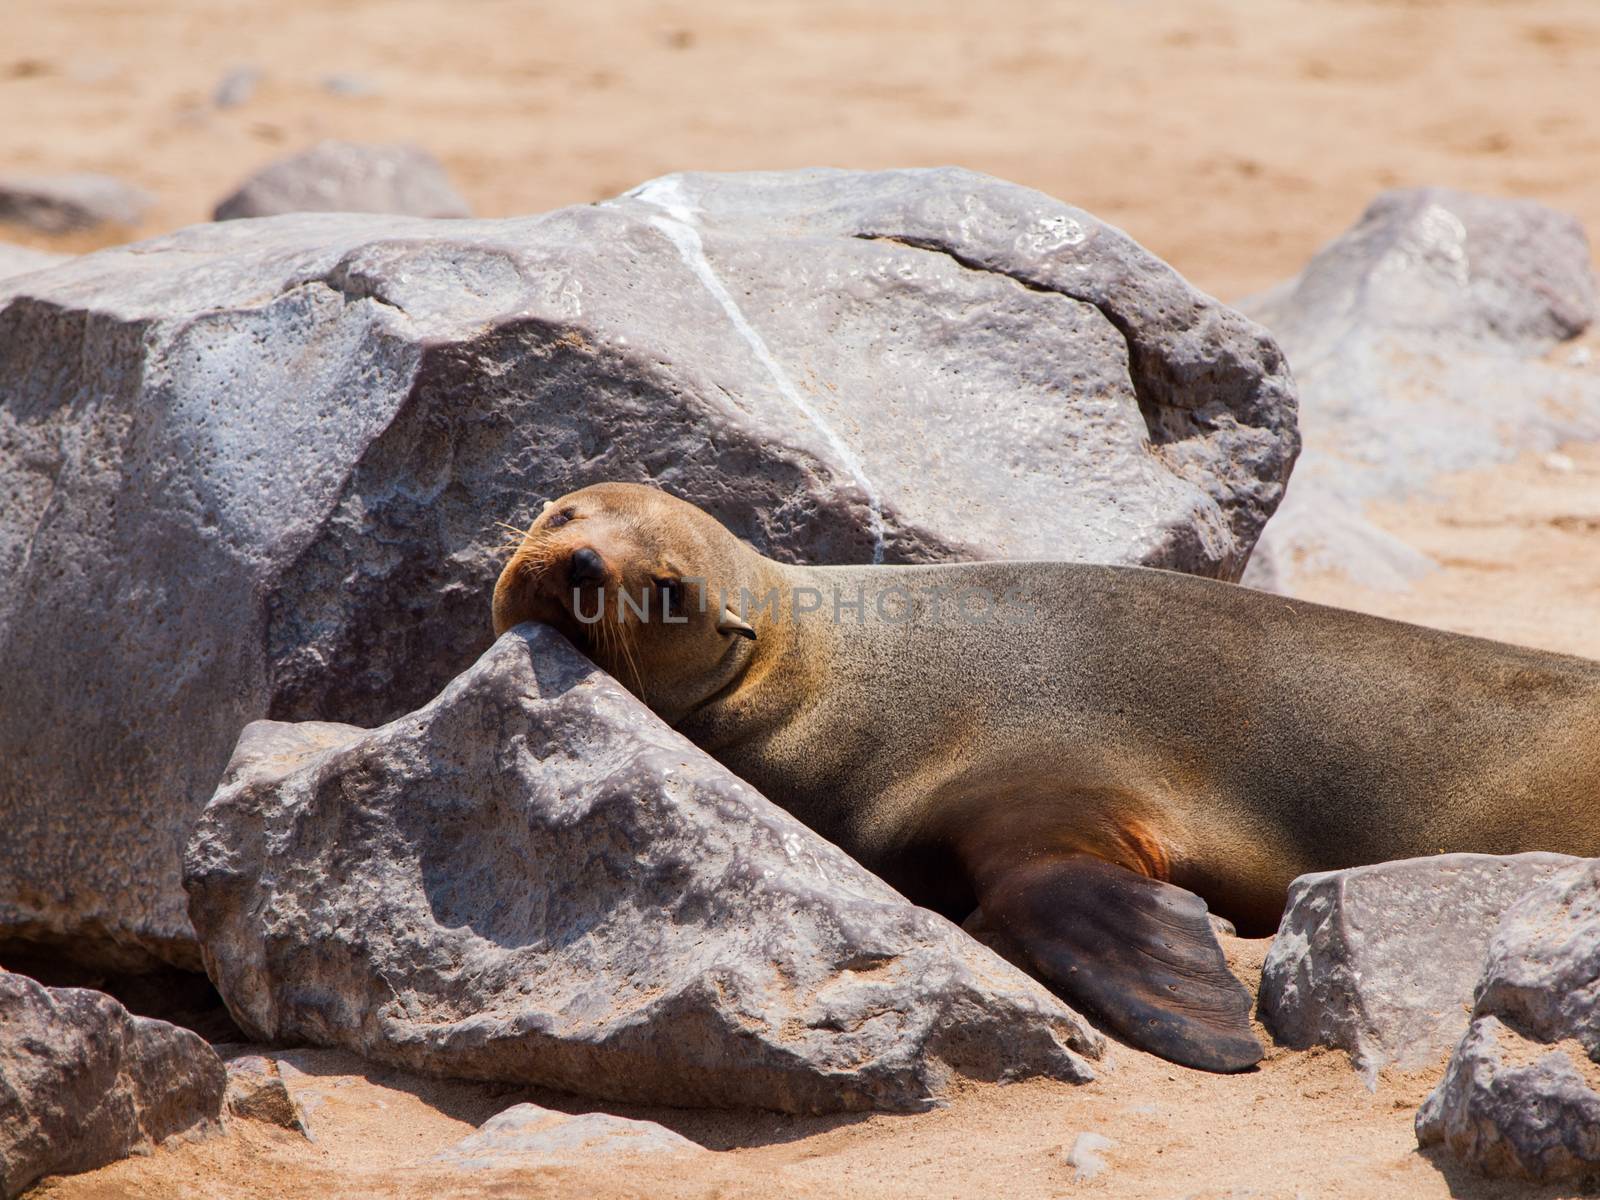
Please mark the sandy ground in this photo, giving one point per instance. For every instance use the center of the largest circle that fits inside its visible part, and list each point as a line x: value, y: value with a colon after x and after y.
x: 1301, y: 1125
x: 1231, y: 136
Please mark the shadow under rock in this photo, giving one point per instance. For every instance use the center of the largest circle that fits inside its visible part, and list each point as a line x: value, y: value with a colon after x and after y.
x: 169, y: 994
x: 1466, y: 1184
x: 475, y: 1102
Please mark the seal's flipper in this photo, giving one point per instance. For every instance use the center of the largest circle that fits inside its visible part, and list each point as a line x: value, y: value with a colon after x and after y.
x: 1138, y: 954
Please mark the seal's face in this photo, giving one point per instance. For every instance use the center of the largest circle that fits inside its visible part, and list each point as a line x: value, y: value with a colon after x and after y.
x: 634, y: 577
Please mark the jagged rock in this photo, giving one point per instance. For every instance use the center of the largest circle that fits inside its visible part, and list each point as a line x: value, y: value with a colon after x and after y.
x: 65, y: 203
x: 1512, y: 1106
x: 1381, y: 960
x: 84, y: 1083
x: 1420, y: 342
x: 14, y: 260
x: 526, y: 1135
x: 532, y: 879
x: 348, y: 177
x: 254, y: 469
x: 256, y: 1092
x: 1521, y: 1096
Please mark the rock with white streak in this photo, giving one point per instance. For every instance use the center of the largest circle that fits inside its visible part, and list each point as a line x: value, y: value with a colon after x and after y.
x: 255, y: 469
x: 533, y: 879
x: 1382, y: 960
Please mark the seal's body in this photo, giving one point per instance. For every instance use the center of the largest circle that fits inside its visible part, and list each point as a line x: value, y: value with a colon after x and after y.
x: 1081, y: 750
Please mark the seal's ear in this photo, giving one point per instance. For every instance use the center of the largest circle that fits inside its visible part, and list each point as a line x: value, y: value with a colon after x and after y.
x: 729, y: 622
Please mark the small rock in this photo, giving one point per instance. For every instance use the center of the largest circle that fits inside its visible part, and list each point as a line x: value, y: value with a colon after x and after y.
x: 1561, y: 464
x: 84, y: 1083
x: 348, y: 177
x: 533, y: 879
x: 526, y: 1135
x: 353, y: 86
x: 1381, y: 960
x: 1581, y: 356
x: 236, y: 87
x: 1084, y: 1157
x: 257, y: 1092
x: 68, y: 203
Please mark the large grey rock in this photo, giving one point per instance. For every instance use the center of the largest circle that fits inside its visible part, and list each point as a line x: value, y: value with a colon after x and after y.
x: 1381, y: 960
x: 1420, y: 342
x: 526, y: 1135
x: 532, y: 879
x: 15, y: 260
x: 348, y: 177
x: 254, y: 469
x: 1521, y: 1096
x: 83, y: 1083
x: 67, y: 203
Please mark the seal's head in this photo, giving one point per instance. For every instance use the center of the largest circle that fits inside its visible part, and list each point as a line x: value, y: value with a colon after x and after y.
x: 638, y: 580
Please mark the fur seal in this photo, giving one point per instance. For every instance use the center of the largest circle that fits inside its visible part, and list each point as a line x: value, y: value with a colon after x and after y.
x: 1083, y: 751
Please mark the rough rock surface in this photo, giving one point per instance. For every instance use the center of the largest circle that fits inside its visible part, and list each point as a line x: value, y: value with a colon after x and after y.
x: 533, y: 879
x: 1521, y: 1097
x: 253, y: 469
x: 65, y: 203
x: 257, y: 1092
x: 1381, y: 960
x: 527, y: 1135
x: 1421, y: 343
x: 84, y: 1083
x: 1512, y: 1106
x: 348, y: 177
x: 15, y: 260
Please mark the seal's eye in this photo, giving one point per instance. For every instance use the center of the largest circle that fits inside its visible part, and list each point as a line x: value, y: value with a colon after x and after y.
x: 560, y: 519
x: 671, y: 591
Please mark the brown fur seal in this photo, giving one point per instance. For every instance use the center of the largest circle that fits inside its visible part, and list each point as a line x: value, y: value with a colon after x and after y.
x: 1084, y: 751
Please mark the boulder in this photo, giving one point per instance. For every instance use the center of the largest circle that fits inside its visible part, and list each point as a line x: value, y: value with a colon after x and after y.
x: 1421, y: 343
x: 84, y: 1083
x: 254, y: 469
x: 68, y: 203
x: 534, y: 880
x: 1381, y: 960
x: 348, y: 177
x: 525, y: 1136
x: 15, y: 260
x: 1521, y: 1096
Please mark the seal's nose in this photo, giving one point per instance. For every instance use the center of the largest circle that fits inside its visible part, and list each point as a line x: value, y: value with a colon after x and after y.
x: 585, y: 566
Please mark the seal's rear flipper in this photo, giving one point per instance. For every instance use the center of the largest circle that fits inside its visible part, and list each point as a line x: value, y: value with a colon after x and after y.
x: 1138, y: 954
